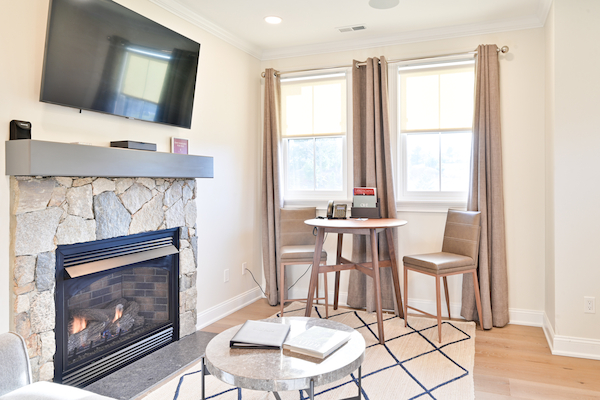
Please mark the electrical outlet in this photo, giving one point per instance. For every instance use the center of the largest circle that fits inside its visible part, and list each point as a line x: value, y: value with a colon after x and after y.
x: 244, y: 266
x: 226, y: 275
x: 589, y: 305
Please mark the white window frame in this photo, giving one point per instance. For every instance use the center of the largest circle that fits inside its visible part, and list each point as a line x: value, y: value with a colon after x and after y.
x: 417, y: 201
x: 318, y: 198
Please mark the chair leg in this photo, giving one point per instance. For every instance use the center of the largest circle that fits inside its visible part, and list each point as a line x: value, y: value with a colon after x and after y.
x: 477, y: 298
x: 405, y: 296
x: 336, y: 290
x: 281, y: 286
x: 326, y: 295
x: 438, y: 300
x: 338, y: 260
x: 447, y: 296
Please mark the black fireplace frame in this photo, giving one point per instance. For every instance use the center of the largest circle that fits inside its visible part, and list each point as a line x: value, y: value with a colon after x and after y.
x: 104, y: 363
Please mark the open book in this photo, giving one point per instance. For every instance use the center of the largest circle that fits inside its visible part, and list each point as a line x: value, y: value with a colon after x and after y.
x: 317, y: 341
x: 260, y: 335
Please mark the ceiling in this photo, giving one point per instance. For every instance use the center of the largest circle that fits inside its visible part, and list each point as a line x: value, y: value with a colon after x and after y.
x: 310, y: 26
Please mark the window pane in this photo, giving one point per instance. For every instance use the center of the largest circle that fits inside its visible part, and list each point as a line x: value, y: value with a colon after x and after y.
x: 456, y: 161
x: 421, y: 102
x: 301, y: 172
x: 422, y: 162
x: 328, y: 163
x: 456, y: 100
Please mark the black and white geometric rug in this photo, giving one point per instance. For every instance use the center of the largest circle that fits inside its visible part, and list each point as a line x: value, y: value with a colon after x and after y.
x: 410, y: 365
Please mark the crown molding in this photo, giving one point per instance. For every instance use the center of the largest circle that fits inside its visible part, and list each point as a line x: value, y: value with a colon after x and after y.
x: 406, y: 37
x: 536, y: 21
x: 185, y: 13
x: 543, y: 10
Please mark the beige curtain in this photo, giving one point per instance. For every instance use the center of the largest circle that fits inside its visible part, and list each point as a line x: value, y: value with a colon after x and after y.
x: 486, y: 195
x: 372, y: 168
x: 271, y: 191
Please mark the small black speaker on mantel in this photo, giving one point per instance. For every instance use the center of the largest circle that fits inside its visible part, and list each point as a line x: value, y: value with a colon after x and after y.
x: 20, y: 130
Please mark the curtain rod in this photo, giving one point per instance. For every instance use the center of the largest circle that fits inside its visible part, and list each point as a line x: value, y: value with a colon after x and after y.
x: 503, y: 49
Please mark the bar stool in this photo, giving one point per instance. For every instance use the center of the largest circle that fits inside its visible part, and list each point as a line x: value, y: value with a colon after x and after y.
x: 298, y: 248
x: 459, y: 255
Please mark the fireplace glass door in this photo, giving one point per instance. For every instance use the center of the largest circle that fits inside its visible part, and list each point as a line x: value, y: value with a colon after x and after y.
x: 115, y: 308
x: 110, y: 314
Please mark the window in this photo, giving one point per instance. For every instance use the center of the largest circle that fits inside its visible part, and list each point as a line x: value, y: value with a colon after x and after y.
x: 435, y: 117
x: 314, y: 129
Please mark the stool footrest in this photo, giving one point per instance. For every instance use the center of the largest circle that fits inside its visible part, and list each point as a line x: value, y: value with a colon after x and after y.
x: 422, y: 312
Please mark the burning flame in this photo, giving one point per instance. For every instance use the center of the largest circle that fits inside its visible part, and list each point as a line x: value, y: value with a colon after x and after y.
x: 79, y: 324
x: 118, y: 312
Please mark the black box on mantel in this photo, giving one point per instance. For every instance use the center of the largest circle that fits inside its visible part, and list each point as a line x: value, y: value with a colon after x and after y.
x: 129, y: 144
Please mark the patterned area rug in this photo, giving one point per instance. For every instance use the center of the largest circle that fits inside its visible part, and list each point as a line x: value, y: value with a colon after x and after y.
x: 411, y: 364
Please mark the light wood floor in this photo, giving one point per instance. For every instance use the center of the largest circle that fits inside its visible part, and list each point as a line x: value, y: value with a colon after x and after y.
x: 511, y: 362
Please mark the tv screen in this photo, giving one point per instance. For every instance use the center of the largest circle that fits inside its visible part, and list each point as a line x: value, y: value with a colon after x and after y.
x: 101, y: 56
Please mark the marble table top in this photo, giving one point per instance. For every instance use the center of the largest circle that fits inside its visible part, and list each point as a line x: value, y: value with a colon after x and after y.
x: 282, y: 370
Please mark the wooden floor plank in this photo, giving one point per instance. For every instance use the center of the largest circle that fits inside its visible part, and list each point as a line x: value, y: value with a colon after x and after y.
x: 513, y: 362
x: 544, y: 391
x: 493, y: 384
x: 495, y: 396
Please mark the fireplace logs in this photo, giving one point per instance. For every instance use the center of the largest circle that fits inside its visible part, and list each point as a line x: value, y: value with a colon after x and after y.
x: 89, y: 326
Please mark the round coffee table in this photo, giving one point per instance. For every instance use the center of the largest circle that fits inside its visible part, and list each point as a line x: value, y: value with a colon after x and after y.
x: 281, y: 370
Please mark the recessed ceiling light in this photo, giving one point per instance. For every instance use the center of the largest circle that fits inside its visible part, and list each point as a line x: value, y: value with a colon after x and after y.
x: 273, y: 20
x: 383, y: 4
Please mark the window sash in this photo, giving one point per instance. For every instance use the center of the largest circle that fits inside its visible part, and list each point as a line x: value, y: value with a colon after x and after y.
x: 315, y: 193
x: 406, y: 194
x: 316, y: 196
x: 422, y: 200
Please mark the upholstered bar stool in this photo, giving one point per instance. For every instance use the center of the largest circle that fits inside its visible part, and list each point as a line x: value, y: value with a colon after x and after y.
x: 298, y: 248
x: 459, y: 255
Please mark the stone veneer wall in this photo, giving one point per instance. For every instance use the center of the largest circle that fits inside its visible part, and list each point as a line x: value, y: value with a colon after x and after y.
x: 50, y: 211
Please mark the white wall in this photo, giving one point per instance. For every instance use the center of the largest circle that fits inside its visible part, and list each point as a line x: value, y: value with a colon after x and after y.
x: 576, y: 164
x: 225, y: 125
x: 522, y: 102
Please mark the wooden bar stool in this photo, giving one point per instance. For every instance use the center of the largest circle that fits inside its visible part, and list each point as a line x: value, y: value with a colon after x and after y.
x: 298, y: 248
x: 459, y: 255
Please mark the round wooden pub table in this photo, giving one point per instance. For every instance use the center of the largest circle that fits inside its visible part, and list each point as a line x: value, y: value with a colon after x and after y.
x: 368, y: 227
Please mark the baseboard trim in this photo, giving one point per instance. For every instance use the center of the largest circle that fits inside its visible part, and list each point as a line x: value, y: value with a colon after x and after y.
x: 548, y: 332
x: 230, y: 306
x: 526, y: 317
x: 569, y: 346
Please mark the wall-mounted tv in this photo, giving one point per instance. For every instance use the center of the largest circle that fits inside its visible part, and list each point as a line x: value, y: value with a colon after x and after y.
x: 101, y: 56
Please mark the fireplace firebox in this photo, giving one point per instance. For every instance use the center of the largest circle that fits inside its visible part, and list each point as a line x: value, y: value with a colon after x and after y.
x: 116, y: 301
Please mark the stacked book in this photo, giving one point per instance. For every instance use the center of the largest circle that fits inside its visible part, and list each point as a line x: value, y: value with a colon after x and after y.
x: 260, y: 335
x: 365, y: 203
x: 365, y: 197
x: 317, y: 341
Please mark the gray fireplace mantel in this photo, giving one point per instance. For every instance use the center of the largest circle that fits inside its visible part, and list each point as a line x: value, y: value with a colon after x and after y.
x: 40, y: 158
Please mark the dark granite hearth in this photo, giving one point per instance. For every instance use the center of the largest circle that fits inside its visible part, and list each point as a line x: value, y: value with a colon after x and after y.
x: 139, y: 377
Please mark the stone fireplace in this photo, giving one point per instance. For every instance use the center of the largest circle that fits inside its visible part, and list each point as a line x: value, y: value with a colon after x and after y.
x: 48, y: 212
